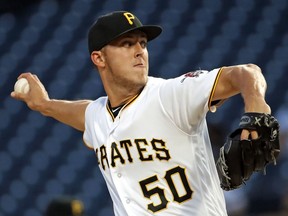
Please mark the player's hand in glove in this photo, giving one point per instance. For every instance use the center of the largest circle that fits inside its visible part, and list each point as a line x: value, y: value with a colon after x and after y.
x: 238, y: 158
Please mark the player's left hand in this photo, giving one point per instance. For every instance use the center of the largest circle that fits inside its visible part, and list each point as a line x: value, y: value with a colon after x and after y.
x: 248, y: 149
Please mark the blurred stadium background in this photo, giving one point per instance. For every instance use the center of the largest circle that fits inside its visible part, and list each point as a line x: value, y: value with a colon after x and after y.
x: 41, y: 159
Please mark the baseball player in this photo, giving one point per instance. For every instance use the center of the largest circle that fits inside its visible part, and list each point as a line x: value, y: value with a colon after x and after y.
x: 150, y: 134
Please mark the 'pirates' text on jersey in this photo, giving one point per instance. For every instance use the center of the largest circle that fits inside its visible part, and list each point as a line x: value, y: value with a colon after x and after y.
x: 155, y: 155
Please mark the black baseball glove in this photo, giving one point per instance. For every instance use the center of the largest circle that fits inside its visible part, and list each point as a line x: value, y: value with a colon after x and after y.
x: 238, y: 159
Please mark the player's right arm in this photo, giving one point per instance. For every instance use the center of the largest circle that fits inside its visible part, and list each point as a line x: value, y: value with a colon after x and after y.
x: 71, y: 113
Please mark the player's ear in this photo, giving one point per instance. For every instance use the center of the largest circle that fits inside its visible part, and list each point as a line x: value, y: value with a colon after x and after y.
x: 98, y: 58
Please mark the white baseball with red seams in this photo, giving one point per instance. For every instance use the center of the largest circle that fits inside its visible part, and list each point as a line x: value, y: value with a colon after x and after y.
x: 22, y: 86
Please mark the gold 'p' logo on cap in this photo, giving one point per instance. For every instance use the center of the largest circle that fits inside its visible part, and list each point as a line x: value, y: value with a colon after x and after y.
x: 129, y: 17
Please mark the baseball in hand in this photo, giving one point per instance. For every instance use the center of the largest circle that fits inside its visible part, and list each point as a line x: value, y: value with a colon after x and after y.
x: 22, y: 86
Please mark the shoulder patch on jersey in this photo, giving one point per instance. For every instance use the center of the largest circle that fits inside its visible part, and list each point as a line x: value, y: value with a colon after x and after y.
x: 192, y: 74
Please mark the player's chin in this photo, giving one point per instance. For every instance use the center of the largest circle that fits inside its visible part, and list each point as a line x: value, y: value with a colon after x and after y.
x: 140, y: 81
x: 140, y: 70
x: 142, y: 78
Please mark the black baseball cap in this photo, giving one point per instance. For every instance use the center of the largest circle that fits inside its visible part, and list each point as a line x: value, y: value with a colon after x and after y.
x: 112, y: 25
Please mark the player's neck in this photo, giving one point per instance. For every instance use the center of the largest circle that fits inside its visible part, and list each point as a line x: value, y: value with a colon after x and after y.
x: 116, y: 109
x: 117, y: 100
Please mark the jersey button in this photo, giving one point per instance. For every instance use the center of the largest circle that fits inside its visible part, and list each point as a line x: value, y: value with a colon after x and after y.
x: 119, y: 175
x: 127, y: 201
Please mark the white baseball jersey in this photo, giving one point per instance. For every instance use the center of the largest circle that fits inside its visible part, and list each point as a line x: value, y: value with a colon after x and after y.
x: 156, y: 156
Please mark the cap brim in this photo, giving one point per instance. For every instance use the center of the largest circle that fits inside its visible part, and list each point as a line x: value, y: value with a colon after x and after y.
x: 152, y: 31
